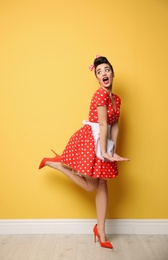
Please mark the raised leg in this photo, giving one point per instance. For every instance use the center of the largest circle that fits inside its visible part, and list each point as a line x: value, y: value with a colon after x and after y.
x: 87, y: 184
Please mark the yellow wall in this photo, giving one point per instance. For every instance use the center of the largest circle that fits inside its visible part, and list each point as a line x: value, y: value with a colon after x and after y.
x: 46, y: 87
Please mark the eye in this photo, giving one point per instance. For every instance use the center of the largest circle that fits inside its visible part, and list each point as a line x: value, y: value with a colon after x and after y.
x: 98, y: 72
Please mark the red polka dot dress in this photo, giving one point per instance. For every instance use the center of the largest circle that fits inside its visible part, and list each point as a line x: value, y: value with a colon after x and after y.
x: 79, y: 154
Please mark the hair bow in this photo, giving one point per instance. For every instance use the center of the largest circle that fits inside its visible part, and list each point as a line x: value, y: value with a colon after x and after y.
x: 91, y: 67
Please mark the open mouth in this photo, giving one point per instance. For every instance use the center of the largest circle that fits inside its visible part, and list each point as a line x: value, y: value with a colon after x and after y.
x: 106, y: 80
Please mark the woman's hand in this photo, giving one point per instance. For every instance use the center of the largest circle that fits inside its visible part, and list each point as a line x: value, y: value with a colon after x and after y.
x: 115, y: 157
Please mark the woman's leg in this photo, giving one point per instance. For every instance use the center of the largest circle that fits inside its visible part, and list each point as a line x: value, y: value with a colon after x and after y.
x: 101, y: 207
x: 87, y: 184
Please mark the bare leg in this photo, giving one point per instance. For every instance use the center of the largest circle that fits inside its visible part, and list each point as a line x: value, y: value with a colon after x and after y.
x: 101, y: 207
x: 85, y: 183
x: 89, y: 185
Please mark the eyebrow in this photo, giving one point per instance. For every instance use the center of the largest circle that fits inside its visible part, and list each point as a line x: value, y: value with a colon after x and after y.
x: 106, y: 67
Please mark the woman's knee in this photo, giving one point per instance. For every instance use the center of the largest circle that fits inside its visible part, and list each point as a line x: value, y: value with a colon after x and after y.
x: 92, y: 185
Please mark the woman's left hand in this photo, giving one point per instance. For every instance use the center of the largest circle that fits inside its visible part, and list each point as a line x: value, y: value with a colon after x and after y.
x: 118, y: 158
x: 113, y: 158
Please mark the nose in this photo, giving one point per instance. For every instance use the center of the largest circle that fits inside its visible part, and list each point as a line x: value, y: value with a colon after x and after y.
x: 104, y: 73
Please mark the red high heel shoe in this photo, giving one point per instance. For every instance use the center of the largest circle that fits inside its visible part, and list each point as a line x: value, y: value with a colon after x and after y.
x: 55, y: 159
x: 106, y: 244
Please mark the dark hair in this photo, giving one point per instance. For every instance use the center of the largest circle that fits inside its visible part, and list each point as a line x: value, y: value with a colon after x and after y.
x: 101, y: 60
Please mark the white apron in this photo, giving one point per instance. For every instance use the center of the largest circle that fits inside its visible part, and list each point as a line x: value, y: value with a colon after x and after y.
x: 96, y: 133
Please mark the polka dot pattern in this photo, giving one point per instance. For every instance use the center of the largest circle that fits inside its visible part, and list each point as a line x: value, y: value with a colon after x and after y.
x: 102, y: 98
x: 79, y: 153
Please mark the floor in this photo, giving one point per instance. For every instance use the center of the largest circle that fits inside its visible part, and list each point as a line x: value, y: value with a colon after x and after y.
x: 82, y: 247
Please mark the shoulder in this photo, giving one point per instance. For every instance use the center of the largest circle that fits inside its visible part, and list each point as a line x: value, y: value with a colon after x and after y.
x: 100, y: 97
x: 101, y: 93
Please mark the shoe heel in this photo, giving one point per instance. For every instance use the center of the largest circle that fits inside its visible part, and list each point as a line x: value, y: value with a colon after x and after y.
x: 94, y: 238
x: 106, y: 244
x: 54, y: 152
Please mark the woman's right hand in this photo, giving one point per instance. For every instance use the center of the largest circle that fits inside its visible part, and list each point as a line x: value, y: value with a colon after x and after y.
x: 115, y: 157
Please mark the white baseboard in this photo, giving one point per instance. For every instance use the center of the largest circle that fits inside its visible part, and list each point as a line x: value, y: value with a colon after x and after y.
x: 83, y: 226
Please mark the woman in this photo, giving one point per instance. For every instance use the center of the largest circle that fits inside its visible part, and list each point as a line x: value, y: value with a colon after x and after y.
x: 90, y: 158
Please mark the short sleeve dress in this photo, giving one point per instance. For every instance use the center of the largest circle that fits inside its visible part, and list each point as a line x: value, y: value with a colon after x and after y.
x: 79, y: 153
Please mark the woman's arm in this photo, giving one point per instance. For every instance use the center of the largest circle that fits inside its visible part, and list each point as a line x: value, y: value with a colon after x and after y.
x: 102, y: 117
x: 114, y: 134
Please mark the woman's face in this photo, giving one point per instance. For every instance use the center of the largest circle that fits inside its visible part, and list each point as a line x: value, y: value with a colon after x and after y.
x: 104, y: 75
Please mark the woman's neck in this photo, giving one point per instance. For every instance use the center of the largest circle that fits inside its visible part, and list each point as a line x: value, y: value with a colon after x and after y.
x: 109, y: 89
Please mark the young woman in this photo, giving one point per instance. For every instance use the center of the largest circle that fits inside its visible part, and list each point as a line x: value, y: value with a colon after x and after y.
x: 90, y: 157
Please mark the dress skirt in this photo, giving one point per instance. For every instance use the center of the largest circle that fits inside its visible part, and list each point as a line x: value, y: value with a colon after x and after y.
x: 79, y: 154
